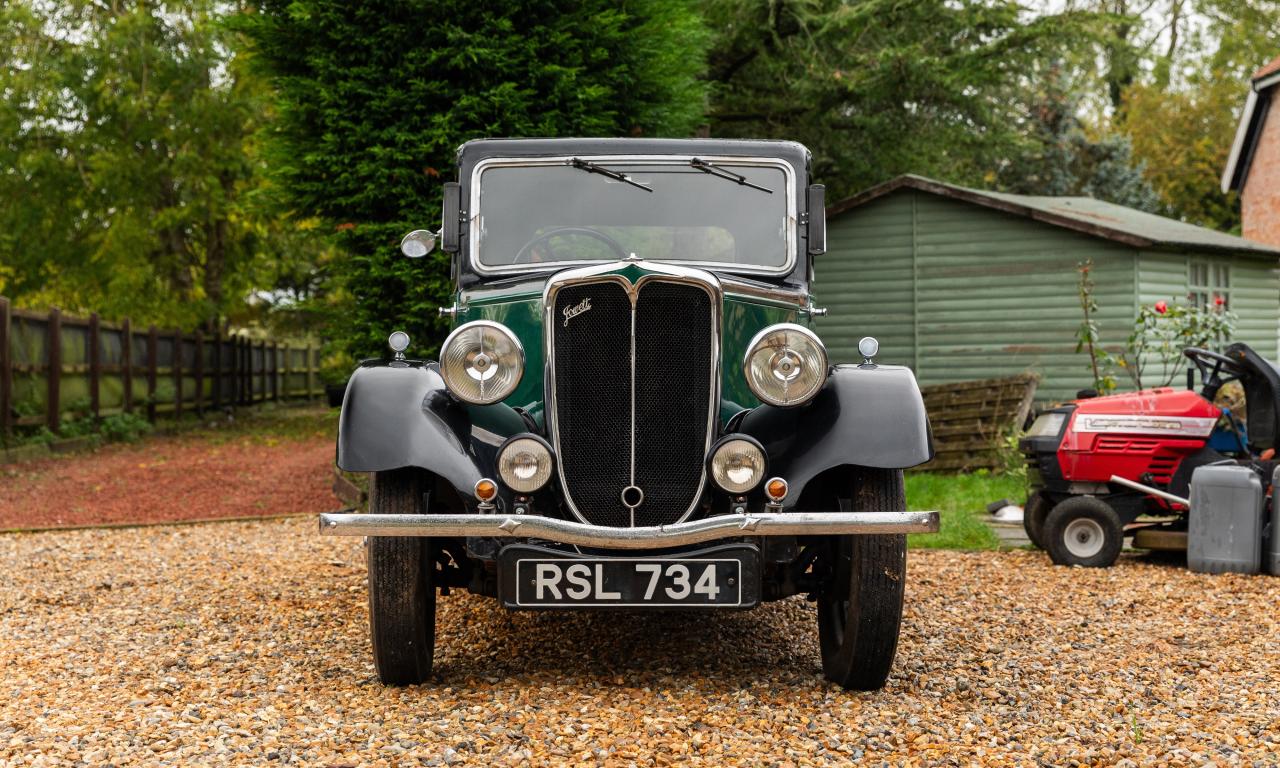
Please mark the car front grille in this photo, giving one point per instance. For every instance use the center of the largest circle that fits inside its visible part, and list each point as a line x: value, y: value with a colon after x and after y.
x: 598, y: 376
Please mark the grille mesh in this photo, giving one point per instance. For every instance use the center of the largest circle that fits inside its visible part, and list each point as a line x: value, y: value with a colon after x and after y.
x: 673, y: 381
x: 593, y: 398
x: 592, y: 380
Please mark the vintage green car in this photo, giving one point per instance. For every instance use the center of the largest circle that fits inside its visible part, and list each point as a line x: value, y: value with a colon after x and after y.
x: 632, y: 411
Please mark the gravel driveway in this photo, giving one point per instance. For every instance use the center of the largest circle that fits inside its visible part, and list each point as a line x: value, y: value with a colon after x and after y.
x: 245, y: 643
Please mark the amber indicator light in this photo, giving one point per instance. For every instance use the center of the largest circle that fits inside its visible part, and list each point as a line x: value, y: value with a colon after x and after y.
x: 776, y: 489
x: 486, y: 489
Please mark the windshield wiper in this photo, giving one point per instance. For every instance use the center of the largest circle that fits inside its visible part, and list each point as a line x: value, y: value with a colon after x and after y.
x: 715, y: 170
x: 579, y: 163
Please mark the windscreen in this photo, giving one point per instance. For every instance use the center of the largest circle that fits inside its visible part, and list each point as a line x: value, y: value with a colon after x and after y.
x: 602, y: 210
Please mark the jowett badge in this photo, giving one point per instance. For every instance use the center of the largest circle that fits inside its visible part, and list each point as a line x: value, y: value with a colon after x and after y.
x: 575, y: 310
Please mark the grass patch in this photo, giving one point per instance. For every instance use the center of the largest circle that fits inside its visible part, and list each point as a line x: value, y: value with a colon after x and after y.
x: 269, y: 424
x: 962, y: 501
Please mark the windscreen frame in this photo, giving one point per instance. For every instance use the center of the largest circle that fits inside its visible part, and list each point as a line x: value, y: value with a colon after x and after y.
x: 791, y: 238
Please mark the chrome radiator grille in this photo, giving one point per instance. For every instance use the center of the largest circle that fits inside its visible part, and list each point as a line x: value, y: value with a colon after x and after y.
x: 634, y: 396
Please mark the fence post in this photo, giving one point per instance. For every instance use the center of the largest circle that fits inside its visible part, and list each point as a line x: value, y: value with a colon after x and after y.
x: 126, y: 361
x: 95, y: 367
x: 53, y: 371
x: 199, y: 373
x: 176, y: 370
x: 262, y: 375
x: 216, y: 394
x: 246, y: 371
x: 311, y: 365
x: 6, y: 372
x: 275, y: 371
x: 246, y: 349
x: 284, y: 382
x: 153, y: 353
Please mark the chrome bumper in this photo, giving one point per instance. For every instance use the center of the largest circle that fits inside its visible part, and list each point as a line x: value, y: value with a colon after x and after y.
x: 677, y: 534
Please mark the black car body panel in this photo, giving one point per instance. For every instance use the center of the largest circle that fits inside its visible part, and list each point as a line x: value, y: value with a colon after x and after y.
x: 400, y: 414
x: 868, y: 415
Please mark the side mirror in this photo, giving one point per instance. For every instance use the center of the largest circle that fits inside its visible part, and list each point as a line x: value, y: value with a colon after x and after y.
x: 418, y: 243
x: 817, y: 205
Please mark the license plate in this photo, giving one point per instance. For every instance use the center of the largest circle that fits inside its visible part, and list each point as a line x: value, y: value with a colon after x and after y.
x: 535, y: 577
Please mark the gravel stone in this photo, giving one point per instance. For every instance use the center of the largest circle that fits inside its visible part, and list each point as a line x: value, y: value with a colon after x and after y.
x: 245, y: 644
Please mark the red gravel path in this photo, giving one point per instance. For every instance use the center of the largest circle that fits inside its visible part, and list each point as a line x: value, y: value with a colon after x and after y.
x: 195, y: 476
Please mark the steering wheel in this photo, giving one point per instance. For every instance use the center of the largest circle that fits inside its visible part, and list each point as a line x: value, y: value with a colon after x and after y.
x: 545, y: 237
x: 1211, y: 364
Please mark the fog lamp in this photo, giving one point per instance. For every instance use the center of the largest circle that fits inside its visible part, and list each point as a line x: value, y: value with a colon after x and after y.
x: 524, y: 463
x: 737, y: 465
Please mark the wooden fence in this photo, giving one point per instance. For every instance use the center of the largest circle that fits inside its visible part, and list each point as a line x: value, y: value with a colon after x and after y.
x: 970, y: 418
x: 51, y: 364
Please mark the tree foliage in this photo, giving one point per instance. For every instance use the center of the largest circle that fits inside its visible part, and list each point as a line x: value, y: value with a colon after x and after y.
x: 374, y: 99
x: 1171, y: 76
x: 128, y: 161
x: 881, y: 87
x: 1066, y: 158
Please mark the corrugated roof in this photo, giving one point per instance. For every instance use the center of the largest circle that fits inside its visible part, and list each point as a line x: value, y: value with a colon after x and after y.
x: 1082, y: 214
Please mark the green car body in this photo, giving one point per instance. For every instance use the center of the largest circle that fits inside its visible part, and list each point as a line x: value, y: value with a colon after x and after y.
x: 520, y: 308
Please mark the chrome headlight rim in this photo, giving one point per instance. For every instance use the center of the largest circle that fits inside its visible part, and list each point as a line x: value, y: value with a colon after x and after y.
x: 821, y: 364
x: 448, y: 374
x: 714, y: 471
x: 520, y: 487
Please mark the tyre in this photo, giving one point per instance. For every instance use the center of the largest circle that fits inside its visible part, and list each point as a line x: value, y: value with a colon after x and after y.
x: 402, y: 597
x: 1033, y: 515
x: 860, y: 607
x: 1083, y: 531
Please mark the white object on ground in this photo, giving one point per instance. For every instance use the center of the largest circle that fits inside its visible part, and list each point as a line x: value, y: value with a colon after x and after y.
x: 1010, y: 513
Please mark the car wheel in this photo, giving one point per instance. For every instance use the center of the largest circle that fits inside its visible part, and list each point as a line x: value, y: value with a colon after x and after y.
x: 1084, y: 531
x: 860, y: 607
x: 402, y: 597
x: 1033, y: 515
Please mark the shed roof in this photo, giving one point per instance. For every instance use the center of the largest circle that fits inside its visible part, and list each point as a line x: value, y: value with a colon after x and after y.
x: 1082, y: 214
x: 1267, y: 69
x: 1262, y: 88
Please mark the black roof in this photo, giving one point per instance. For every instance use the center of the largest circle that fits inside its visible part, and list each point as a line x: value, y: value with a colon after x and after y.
x: 792, y: 152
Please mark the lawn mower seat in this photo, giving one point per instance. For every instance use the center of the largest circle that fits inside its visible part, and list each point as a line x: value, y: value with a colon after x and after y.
x: 1261, y: 381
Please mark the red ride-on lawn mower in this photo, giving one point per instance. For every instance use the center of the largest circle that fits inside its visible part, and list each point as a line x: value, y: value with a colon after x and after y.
x: 1155, y: 437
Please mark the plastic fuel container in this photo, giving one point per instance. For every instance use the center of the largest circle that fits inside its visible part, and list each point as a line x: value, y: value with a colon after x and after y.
x: 1273, y: 546
x: 1226, y: 521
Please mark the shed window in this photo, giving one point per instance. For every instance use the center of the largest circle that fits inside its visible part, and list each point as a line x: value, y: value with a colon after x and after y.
x: 1208, y: 283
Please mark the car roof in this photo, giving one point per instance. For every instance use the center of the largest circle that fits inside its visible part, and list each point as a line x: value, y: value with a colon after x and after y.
x: 478, y: 149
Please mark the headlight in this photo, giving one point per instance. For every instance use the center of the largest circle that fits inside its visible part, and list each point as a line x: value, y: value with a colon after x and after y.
x: 786, y: 365
x: 1046, y: 425
x: 524, y: 463
x: 737, y: 465
x: 481, y: 362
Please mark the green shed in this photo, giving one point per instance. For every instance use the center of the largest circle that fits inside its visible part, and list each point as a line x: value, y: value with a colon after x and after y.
x: 965, y: 284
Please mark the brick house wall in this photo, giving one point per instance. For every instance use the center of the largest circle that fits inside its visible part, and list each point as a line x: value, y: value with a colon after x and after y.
x: 1260, y: 198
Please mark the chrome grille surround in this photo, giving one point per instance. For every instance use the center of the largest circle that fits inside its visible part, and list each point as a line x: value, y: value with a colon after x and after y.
x: 613, y: 273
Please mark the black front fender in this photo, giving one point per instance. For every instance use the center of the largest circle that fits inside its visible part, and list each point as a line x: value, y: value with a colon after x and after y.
x: 400, y: 415
x: 868, y: 415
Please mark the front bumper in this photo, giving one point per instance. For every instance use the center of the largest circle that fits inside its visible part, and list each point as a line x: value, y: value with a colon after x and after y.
x: 649, y: 537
